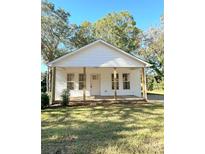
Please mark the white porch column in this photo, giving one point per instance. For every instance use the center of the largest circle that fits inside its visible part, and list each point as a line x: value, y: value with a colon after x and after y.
x: 52, y: 98
x: 144, y: 87
x: 47, y: 81
x: 115, y: 83
x: 84, y: 84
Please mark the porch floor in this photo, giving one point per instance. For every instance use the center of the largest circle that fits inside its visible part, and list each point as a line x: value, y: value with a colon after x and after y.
x: 106, y: 98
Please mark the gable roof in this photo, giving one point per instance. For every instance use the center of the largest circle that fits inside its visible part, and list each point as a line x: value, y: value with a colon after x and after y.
x: 105, y: 43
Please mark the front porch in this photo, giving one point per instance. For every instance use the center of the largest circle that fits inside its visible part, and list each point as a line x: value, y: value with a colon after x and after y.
x: 108, y: 84
x: 106, y: 98
x: 102, y: 100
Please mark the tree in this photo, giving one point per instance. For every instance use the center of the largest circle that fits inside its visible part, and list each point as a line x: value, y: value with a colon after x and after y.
x: 152, y: 49
x: 43, y: 82
x: 118, y: 29
x: 54, y: 31
x: 82, y: 35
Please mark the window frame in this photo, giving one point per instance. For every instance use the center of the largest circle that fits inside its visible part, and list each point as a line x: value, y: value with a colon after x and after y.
x: 72, y: 81
x: 81, y: 82
x: 126, y: 81
x: 112, y: 81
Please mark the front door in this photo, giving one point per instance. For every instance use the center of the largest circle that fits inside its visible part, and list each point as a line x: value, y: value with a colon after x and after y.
x: 95, y: 84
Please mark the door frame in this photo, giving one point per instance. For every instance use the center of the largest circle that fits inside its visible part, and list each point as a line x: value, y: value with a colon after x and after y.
x: 99, y: 83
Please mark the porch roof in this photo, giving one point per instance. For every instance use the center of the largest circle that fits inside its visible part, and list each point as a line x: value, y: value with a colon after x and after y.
x: 98, y: 54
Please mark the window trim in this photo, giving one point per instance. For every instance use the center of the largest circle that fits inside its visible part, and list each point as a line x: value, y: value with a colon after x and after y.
x: 71, y: 81
x: 112, y: 81
x: 81, y: 81
x: 126, y: 81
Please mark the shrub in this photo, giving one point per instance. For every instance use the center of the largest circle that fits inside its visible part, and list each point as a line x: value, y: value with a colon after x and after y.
x: 43, y: 82
x: 150, y: 83
x: 159, y: 85
x: 65, y: 97
x: 44, y: 100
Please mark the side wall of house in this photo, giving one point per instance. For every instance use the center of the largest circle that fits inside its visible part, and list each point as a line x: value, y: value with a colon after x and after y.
x: 105, y: 81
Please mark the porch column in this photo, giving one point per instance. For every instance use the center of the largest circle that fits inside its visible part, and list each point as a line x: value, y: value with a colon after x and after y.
x: 144, y: 87
x: 47, y: 81
x: 115, y: 83
x: 84, y: 84
x: 52, y: 98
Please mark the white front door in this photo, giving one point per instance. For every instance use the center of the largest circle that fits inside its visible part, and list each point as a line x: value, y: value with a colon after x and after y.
x: 95, y: 84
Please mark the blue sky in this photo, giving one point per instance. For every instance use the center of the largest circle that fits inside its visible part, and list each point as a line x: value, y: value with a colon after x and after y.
x: 145, y: 12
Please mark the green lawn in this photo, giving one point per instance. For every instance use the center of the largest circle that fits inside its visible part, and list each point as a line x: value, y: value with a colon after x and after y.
x: 110, y: 129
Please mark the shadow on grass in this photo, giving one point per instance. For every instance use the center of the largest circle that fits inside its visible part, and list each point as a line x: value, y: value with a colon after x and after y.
x: 151, y: 96
x: 65, y: 133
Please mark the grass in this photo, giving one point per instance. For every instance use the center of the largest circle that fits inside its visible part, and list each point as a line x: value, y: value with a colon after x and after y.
x: 111, y: 129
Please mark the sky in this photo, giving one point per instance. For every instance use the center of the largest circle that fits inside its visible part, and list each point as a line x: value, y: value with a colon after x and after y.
x: 145, y: 12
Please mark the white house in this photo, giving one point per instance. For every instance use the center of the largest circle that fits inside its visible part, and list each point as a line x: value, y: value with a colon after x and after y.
x: 98, y: 69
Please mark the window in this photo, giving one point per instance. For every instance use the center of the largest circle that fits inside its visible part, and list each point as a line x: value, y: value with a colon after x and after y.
x: 81, y: 81
x: 117, y: 81
x: 126, y: 80
x: 70, y: 81
x: 95, y: 77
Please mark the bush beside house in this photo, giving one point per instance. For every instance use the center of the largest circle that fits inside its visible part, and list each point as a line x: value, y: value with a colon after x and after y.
x: 44, y: 100
x: 65, y: 97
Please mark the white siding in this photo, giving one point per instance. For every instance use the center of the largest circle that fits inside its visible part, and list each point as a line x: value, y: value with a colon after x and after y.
x: 99, y: 55
x: 105, y: 81
x: 60, y: 82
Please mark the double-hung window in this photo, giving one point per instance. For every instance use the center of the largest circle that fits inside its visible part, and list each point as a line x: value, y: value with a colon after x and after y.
x: 70, y: 81
x: 126, y: 80
x: 81, y: 81
x: 113, y: 81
